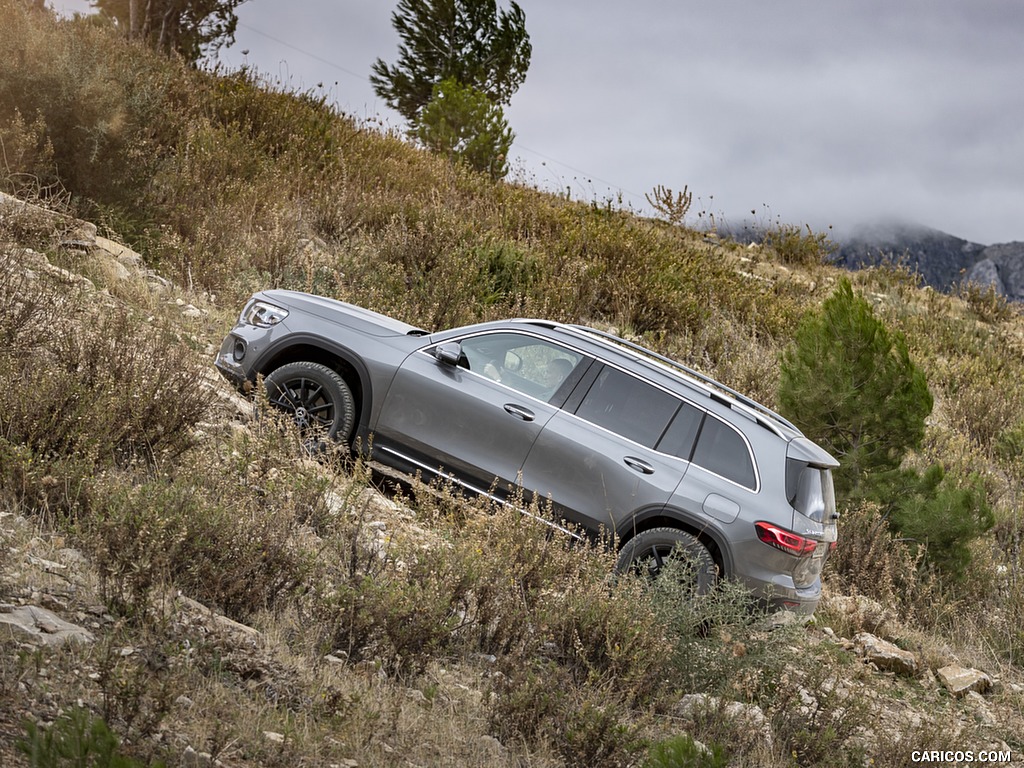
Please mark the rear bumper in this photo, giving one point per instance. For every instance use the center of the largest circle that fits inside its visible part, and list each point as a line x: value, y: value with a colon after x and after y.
x: 800, y: 601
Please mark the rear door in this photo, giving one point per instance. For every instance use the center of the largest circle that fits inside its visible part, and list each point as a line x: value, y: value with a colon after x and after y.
x: 475, y: 421
x: 596, y: 459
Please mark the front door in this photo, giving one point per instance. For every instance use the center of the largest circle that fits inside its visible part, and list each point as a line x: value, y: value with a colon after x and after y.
x: 475, y: 421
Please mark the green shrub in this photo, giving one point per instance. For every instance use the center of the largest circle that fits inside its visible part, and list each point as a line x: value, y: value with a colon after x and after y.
x: 77, y: 738
x: 943, y: 517
x: 466, y: 126
x: 850, y: 385
x: 684, y: 752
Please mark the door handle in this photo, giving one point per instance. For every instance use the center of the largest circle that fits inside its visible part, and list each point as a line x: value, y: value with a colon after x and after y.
x: 639, y: 465
x: 519, y: 411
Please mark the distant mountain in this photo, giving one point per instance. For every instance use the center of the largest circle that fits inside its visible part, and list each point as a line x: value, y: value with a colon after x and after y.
x: 944, y: 261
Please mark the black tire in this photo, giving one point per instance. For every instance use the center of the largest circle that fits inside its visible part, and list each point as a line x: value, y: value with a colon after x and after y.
x: 316, y: 397
x: 646, y: 553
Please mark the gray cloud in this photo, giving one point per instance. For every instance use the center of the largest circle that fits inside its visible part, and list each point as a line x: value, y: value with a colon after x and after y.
x: 826, y: 113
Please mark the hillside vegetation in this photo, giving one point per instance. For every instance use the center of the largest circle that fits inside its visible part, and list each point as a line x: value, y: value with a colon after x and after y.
x: 242, y: 604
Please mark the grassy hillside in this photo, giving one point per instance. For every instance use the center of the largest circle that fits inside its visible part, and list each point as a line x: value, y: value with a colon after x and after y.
x: 424, y: 630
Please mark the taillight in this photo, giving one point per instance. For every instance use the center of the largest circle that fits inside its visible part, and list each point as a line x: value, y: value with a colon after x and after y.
x: 785, y: 540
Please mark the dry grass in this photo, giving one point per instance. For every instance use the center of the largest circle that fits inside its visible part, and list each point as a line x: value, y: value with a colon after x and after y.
x: 228, y: 185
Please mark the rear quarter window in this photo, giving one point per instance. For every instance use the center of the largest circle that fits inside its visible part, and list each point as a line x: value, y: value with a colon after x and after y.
x: 721, y: 449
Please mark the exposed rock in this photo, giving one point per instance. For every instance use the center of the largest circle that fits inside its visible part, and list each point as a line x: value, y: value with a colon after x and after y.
x: 1009, y: 260
x: 986, y: 274
x: 194, y: 759
x: 886, y: 655
x: 982, y: 711
x: 41, y: 627
x: 861, y: 613
x: 122, y: 254
x: 72, y: 233
x: 242, y: 632
x: 961, y: 680
x: 940, y: 258
x: 750, y: 716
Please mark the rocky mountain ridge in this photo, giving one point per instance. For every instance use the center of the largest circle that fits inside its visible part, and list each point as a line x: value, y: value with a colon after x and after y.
x: 942, y: 260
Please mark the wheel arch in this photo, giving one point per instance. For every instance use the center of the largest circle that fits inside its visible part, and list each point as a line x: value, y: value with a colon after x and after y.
x: 672, y: 517
x: 313, y: 349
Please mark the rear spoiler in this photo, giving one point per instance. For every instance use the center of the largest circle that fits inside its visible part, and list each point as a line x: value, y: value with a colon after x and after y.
x: 802, y: 449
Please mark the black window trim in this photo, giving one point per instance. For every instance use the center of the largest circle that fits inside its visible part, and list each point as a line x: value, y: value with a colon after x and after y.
x: 594, y: 368
x: 596, y: 371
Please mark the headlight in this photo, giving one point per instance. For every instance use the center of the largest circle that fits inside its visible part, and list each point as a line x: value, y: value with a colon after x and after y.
x: 263, y: 314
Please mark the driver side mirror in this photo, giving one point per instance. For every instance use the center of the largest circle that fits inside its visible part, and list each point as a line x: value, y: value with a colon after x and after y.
x: 448, y: 353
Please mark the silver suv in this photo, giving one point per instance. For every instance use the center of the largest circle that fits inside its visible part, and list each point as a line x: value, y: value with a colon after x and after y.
x: 621, y: 440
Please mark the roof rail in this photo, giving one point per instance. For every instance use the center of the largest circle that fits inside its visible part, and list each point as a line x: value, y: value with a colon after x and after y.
x: 644, y: 351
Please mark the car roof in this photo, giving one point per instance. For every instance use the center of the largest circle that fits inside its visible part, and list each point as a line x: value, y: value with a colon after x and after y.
x: 691, y: 378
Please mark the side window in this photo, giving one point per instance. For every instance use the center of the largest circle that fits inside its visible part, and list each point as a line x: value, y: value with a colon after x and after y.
x: 682, y: 432
x: 721, y: 450
x: 628, y: 406
x: 533, y: 366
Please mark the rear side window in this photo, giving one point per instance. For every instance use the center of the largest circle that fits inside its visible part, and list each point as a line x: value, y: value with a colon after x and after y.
x: 629, y: 407
x: 721, y: 450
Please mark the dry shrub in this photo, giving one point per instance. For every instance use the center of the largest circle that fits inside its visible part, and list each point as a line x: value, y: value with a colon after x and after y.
x: 978, y: 401
x: 871, y: 561
x: 107, y: 390
x: 989, y: 305
x: 105, y: 103
x: 795, y: 247
x: 394, y: 603
x: 85, y: 386
x: 229, y: 552
x: 27, y: 168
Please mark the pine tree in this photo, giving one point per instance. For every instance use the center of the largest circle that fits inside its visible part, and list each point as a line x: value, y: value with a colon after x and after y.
x: 850, y: 384
x: 186, y: 27
x: 470, y: 41
x: 465, y: 125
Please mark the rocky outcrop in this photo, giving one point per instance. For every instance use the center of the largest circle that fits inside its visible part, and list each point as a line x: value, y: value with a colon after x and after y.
x: 885, y: 655
x: 1001, y: 267
x: 40, y: 626
x: 942, y: 260
x: 939, y: 258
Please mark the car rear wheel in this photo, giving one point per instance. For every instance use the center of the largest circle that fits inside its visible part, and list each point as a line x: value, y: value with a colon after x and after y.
x: 316, y: 397
x: 650, y: 552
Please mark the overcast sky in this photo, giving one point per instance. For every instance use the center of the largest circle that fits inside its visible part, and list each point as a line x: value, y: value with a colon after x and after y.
x: 827, y: 113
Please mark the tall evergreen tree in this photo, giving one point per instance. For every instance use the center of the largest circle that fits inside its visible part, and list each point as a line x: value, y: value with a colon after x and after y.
x: 469, y: 41
x: 850, y: 384
x: 187, y: 27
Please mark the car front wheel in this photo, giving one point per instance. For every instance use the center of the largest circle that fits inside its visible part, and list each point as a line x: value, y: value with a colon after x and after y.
x: 649, y: 553
x: 316, y: 397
